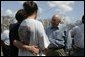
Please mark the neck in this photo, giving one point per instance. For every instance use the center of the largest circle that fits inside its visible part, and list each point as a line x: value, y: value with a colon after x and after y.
x: 31, y: 17
x: 54, y: 25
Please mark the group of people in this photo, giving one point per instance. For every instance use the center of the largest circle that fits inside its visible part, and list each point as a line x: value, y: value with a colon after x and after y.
x: 28, y: 37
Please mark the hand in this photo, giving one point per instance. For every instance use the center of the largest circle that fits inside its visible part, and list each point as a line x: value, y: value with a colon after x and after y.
x: 46, y: 50
x: 34, y: 50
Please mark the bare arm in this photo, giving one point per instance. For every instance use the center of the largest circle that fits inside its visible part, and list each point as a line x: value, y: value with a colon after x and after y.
x: 33, y: 49
x: 2, y: 43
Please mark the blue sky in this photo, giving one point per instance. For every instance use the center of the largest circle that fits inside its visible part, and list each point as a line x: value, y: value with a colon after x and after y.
x: 72, y: 10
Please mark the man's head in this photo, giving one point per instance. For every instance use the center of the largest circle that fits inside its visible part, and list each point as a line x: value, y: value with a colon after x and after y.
x: 83, y: 19
x: 56, y: 19
x: 31, y: 8
x: 20, y: 15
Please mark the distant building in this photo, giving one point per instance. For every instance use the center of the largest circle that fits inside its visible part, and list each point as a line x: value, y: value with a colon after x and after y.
x: 45, y: 22
x: 5, y: 22
x: 78, y: 22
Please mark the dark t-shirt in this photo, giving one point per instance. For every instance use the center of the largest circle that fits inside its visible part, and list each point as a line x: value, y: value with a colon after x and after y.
x: 13, y: 35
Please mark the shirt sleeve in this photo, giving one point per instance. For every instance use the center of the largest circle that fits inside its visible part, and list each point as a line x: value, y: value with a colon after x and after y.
x: 56, y: 43
x: 73, y: 31
x: 24, y: 34
x: 13, y: 34
x: 70, y: 37
x: 43, y: 39
x: 2, y: 37
x: 68, y: 41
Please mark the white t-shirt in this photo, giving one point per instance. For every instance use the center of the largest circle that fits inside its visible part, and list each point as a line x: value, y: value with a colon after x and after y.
x: 32, y: 32
x: 5, y: 37
x: 78, y: 33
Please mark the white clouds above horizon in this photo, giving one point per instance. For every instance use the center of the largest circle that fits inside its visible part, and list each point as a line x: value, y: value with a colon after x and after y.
x: 22, y: 2
x: 64, y: 5
x: 9, y: 12
x: 25, y: 1
x: 40, y: 10
x: 72, y: 9
x: 1, y: 8
x: 67, y: 20
x: 1, y: 11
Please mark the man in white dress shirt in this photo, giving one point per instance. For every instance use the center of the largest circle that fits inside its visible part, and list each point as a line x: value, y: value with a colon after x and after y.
x: 31, y: 31
x: 78, y: 38
x: 5, y: 43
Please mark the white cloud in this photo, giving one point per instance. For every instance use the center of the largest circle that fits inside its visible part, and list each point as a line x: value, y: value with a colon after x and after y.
x: 14, y: 13
x: 2, y: 11
x: 35, y: 1
x: 1, y: 8
x: 22, y: 2
x: 40, y: 10
x: 66, y: 8
x: 51, y: 4
x: 9, y: 12
x: 25, y: 1
x: 64, y: 5
x: 67, y: 20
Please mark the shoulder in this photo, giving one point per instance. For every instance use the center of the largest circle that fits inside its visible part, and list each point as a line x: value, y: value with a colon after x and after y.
x: 27, y: 22
x: 48, y: 30
x: 81, y: 26
x: 74, y: 29
x: 39, y: 22
x: 6, y: 32
x: 13, y: 25
x: 24, y: 22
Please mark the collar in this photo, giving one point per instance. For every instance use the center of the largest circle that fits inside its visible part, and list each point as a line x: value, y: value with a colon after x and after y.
x: 56, y: 27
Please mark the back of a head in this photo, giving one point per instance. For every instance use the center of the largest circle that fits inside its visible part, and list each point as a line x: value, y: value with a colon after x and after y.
x: 20, y: 15
x: 83, y: 19
x: 57, y: 17
x: 30, y: 7
x: 55, y: 20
